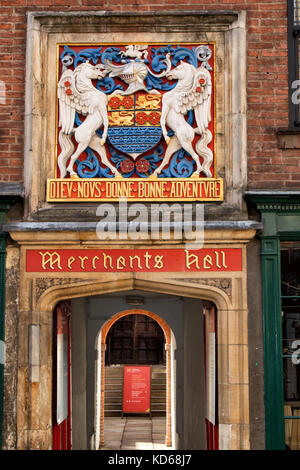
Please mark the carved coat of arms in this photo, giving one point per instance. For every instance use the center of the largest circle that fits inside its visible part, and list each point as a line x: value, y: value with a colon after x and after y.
x: 136, y: 111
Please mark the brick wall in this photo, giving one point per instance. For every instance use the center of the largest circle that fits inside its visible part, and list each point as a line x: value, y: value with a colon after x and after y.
x: 269, y: 166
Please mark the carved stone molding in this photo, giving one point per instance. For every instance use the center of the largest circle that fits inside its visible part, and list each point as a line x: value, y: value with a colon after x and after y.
x: 223, y: 283
x: 42, y: 284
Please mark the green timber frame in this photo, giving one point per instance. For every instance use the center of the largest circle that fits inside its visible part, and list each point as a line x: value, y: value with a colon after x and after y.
x: 9, y: 195
x: 280, y: 213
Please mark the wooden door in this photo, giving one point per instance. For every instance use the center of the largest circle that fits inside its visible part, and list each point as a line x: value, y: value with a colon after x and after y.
x: 135, y: 339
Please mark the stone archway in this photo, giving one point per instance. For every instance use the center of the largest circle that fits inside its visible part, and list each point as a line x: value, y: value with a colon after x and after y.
x: 39, y: 295
x: 101, y: 341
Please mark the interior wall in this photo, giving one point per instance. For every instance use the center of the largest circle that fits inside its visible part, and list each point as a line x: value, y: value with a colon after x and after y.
x: 194, y: 376
x: 79, y: 373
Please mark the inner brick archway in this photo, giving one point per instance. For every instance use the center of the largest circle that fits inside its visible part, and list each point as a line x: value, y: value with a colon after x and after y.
x: 102, y: 340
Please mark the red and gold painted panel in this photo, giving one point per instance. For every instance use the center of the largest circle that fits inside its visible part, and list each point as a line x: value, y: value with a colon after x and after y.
x: 133, y: 120
x: 134, y: 260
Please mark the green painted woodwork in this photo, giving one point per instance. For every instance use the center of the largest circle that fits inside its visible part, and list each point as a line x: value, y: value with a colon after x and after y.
x: 280, y: 213
x: 274, y: 420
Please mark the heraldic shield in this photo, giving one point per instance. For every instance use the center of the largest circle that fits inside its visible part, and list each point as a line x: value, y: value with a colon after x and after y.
x: 134, y: 123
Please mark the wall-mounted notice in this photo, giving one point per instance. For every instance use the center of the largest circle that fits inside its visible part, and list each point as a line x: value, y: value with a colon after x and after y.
x: 211, y: 377
x: 62, y: 366
x: 136, y: 389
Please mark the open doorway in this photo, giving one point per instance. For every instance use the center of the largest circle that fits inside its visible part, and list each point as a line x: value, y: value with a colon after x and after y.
x: 135, y: 397
x: 135, y: 339
x: 179, y: 335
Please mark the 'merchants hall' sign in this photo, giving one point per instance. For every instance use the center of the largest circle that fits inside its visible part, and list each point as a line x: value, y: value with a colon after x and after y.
x: 134, y: 260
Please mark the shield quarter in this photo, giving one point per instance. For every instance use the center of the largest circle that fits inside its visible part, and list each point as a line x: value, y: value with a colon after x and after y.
x: 134, y: 123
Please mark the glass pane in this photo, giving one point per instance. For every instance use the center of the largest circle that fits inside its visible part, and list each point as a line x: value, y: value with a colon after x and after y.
x: 290, y: 290
x: 296, y: 12
x: 297, y: 65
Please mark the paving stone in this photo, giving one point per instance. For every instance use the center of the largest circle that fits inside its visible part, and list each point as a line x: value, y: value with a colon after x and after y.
x: 132, y: 433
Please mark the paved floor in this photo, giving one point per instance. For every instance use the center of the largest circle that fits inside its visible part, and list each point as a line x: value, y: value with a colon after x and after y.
x: 132, y: 433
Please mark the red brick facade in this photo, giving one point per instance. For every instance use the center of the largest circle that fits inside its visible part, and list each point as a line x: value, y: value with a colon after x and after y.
x: 267, y: 75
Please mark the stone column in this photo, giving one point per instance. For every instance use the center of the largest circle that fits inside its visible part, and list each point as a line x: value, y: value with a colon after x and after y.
x: 233, y: 397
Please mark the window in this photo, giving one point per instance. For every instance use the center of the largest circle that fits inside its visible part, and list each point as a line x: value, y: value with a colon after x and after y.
x: 290, y: 300
x: 293, y: 61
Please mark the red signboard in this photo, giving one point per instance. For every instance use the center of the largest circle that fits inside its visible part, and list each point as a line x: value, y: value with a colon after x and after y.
x: 136, y: 389
x: 134, y: 260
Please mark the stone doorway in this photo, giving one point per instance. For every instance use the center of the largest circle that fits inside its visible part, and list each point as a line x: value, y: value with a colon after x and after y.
x: 39, y: 295
x: 184, y: 403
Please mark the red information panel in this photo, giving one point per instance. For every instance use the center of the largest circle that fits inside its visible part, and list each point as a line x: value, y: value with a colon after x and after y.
x: 136, y: 389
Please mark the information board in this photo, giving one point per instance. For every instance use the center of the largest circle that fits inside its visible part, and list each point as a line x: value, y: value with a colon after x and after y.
x: 136, y: 389
x: 62, y: 366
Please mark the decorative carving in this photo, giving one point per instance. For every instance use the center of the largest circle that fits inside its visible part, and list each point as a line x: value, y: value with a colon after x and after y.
x: 42, y: 284
x: 133, y: 120
x: 193, y: 91
x: 77, y: 93
x: 223, y: 283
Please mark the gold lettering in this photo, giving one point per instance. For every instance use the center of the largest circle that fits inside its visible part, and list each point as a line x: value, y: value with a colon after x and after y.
x: 92, y: 188
x: 82, y: 260
x: 223, y: 260
x: 138, y: 261
x: 64, y: 186
x: 147, y: 258
x: 121, y: 262
x: 86, y: 188
x: 164, y: 188
x: 104, y: 261
x: 94, y: 261
x: 195, y: 189
x: 108, y: 189
x: 80, y: 189
x: 183, y: 189
x: 156, y: 190
x: 206, y: 187
x: 217, y: 259
x: 98, y: 188
x: 207, y: 260
x: 52, y: 189
x: 51, y: 259
x: 158, y: 262
x: 190, y: 259
x: 173, y: 190
x: 69, y: 188
x: 70, y: 262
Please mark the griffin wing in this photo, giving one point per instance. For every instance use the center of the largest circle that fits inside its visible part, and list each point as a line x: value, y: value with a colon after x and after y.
x: 70, y: 101
x: 66, y: 97
x: 198, y: 98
